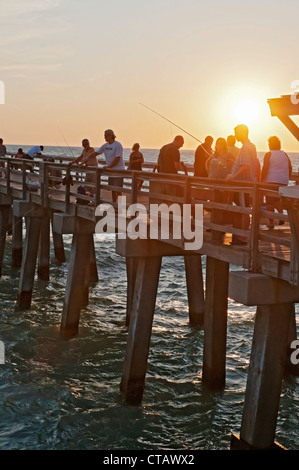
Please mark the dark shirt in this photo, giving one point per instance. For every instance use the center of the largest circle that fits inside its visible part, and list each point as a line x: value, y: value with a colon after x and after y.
x: 136, y: 160
x: 201, y: 156
x: 2, y: 150
x: 169, y: 154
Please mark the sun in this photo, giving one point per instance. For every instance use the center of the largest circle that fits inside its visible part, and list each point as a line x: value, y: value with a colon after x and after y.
x: 246, y: 111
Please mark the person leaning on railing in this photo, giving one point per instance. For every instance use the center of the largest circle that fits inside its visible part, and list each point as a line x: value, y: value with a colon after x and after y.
x: 88, y: 158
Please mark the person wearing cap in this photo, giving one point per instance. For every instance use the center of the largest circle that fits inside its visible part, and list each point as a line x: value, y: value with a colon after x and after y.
x: 113, y: 152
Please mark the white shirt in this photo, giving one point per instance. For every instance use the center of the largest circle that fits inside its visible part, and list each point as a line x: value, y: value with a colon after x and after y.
x: 111, y: 151
x: 278, y: 171
x: 34, y: 150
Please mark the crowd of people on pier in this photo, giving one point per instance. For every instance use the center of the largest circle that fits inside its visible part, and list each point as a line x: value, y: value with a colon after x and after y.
x: 226, y: 162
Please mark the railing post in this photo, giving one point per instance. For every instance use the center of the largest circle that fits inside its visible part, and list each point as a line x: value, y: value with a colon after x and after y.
x: 43, y: 180
x: 24, y: 186
x: 98, y: 187
x: 134, y: 188
x: 8, y: 175
x: 187, y: 191
x: 67, y: 190
x: 255, y: 227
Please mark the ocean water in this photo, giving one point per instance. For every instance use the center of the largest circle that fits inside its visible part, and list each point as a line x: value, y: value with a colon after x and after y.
x: 64, y: 394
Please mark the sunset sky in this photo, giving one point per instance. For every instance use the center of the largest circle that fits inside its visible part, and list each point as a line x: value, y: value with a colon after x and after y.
x: 73, y: 68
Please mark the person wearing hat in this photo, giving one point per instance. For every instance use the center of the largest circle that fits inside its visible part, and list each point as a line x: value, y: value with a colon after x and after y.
x: 113, y: 152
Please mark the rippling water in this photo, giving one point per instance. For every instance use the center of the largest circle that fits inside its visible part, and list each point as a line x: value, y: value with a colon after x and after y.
x: 64, y: 394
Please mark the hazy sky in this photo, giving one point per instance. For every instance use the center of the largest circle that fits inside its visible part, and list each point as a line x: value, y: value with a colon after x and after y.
x: 73, y: 68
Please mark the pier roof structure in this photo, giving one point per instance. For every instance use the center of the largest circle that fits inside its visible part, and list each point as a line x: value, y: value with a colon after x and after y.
x: 283, y: 108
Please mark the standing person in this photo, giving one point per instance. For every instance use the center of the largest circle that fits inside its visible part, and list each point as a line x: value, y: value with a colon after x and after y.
x: 218, y: 166
x: 85, y: 160
x: 113, y: 151
x: 246, y: 168
x: 202, y: 153
x: 169, y: 161
x: 136, y: 160
x: 220, y: 163
x: 231, y: 146
x: 169, y: 156
x: 2, y: 154
x: 277, y: 168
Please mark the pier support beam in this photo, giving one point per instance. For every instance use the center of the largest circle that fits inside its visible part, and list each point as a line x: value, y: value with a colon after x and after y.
x: 29, y: 263
x: 215, y: 323
x: 81, y: 271
x: 4, y: 225
x: 17, y: 241
x: 75, y: 293
x: 265, y: 374
x: 258, y: 289
x: 131, y: 265
x: 43, y: 269
x: 58, y: 244
x: 195, y: 290
x: 34, y: 214
x: 146, y: 284
x: 93, y: 270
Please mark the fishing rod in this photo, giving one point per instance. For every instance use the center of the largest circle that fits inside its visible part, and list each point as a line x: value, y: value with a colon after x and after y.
x: 168, y: 120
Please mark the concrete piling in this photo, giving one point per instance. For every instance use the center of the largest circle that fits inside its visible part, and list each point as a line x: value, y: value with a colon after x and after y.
x: 17, y: 241
x: 58, y: 244
x: 265, y: 374
x: 215, y: 323
x: 195, y: 289
x: 4, y: 225
x: 140, y: 328
x: 44, y: 250
x: 29, y: 263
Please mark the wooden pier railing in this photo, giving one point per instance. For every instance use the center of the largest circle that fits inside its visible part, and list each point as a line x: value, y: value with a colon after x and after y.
x: 54, y: 185
x: 45, y: 192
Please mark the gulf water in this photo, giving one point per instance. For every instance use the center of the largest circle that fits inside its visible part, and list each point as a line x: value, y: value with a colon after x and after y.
x: 64, y: 394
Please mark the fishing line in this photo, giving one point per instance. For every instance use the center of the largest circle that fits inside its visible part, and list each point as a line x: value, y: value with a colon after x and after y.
x: 168, y: 120
x: 66, y: 143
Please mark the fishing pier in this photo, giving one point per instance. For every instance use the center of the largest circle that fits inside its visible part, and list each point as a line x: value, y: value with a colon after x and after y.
x: 265, y: 270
